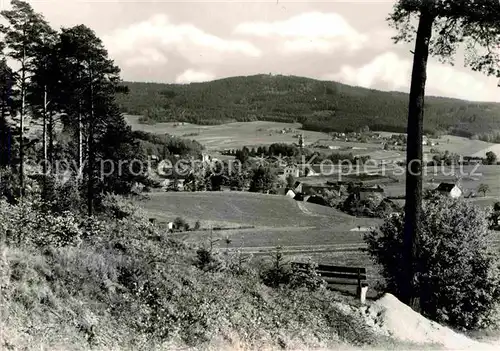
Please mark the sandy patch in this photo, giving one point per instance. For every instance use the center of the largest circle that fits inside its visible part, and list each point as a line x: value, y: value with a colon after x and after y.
x: 391, y: 317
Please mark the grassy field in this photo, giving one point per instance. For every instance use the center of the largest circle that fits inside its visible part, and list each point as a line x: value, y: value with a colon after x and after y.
x: 254, y: 134
x: 276, y: 220
x: 303, y: 230
x: 471, y: 178
x: 231, y: 135
x: 464, y: 146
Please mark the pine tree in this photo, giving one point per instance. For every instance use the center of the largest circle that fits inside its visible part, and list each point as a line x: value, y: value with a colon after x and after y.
x: 89, y: 85
x: 43, y: 90
x: 22, y: 36
x: 7, y: 109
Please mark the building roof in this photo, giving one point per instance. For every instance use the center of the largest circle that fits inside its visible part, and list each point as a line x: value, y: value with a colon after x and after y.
x: 446, y: 187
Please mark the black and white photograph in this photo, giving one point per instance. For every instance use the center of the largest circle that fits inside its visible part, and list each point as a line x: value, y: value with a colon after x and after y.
x: 249, y: 175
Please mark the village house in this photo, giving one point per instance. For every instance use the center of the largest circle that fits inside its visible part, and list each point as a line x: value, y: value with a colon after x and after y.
x: 297, y: 187
x: 290, y: 170
x: 449, y: 189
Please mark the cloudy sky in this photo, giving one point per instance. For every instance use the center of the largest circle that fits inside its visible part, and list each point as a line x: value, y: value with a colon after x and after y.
x: 189, y: 41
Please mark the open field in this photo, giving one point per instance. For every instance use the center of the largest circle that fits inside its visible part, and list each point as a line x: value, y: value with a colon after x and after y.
x: 231, y: 135
x: 303, y: 230
x: 276, y: 220
x: 471, y: 177
x: 253, y: 134
x: 464, y: 146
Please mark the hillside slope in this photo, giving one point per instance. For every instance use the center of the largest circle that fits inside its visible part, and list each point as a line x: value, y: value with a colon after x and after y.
x: 319, y: 105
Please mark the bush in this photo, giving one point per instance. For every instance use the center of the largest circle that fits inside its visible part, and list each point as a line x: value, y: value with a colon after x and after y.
x: 117, y: 207
x: 208, y: 260
x: 180, y: 224
x: 278, y: 273
x: 457, y: 274
x: 27, y: 224
x: 308, y: 278
x: 197, y: 225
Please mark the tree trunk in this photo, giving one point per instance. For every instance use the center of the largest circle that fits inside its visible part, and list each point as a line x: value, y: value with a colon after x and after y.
x: 413, y: 205
x: 50, y: 134
x: 44, y: 130
x: 80, y: 138
x: 21, y: 126
x: 90, y: 181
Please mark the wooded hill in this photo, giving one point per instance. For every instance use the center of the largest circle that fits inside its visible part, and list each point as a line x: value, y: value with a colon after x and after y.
x: 319, y: 105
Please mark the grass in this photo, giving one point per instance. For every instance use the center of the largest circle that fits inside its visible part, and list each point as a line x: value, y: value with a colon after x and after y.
x: 471, y: 178
x: 230, y: 135
x: 277, y: 220
x: 302, y: 229
x: 464, y: 146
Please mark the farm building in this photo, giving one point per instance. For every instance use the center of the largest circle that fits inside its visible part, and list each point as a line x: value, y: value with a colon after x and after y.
x: 290, y: 170
x: 449, y: 189
x: 297, y: 187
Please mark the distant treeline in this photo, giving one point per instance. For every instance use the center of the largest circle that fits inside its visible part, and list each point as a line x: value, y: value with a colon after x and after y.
x: 318, y: 105
x: 166, y: 145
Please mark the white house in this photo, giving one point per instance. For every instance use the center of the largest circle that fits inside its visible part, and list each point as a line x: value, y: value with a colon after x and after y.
x: 449, y: 189
x: 290, y: 170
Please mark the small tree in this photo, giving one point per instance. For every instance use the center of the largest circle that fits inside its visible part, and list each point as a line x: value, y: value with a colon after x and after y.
x: 491, y: 158
x: 278, y: 273
x: 179, y: 223
x: 290, y: 181
x: 483, y: 188
x: 457, y: 280
x: 197, y: 225
x: 263, y: 180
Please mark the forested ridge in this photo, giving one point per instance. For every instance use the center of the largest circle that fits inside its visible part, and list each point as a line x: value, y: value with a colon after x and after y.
x: 319, y: 105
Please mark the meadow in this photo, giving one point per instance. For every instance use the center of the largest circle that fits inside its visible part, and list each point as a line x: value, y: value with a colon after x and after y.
x: 273, y: 220
x: 303, y: 230
x: 230, y: 135
x: 469, y: 177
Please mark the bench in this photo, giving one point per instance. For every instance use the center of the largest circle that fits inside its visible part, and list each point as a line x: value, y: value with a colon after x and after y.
x: 340, y: 275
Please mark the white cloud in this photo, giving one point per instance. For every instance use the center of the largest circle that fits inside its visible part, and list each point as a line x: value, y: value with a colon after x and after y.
x: 146, y: 56
x: 394, y: 73
x: 150, y: 41
x: 308, y: 32
x: 192, y: 76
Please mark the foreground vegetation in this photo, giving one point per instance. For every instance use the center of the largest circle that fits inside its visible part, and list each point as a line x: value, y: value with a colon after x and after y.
x: 116, y: 281
x: 318, y: 105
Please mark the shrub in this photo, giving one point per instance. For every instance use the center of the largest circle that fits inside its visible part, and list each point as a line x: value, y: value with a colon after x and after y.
x: 180, y: 223
x: 197, y: 225
x: 27, y: 224
x: 208, y: 260
x: 117, y: 207
x: 308, y: 278
x: 278, y: 273
x: 457, y: 274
